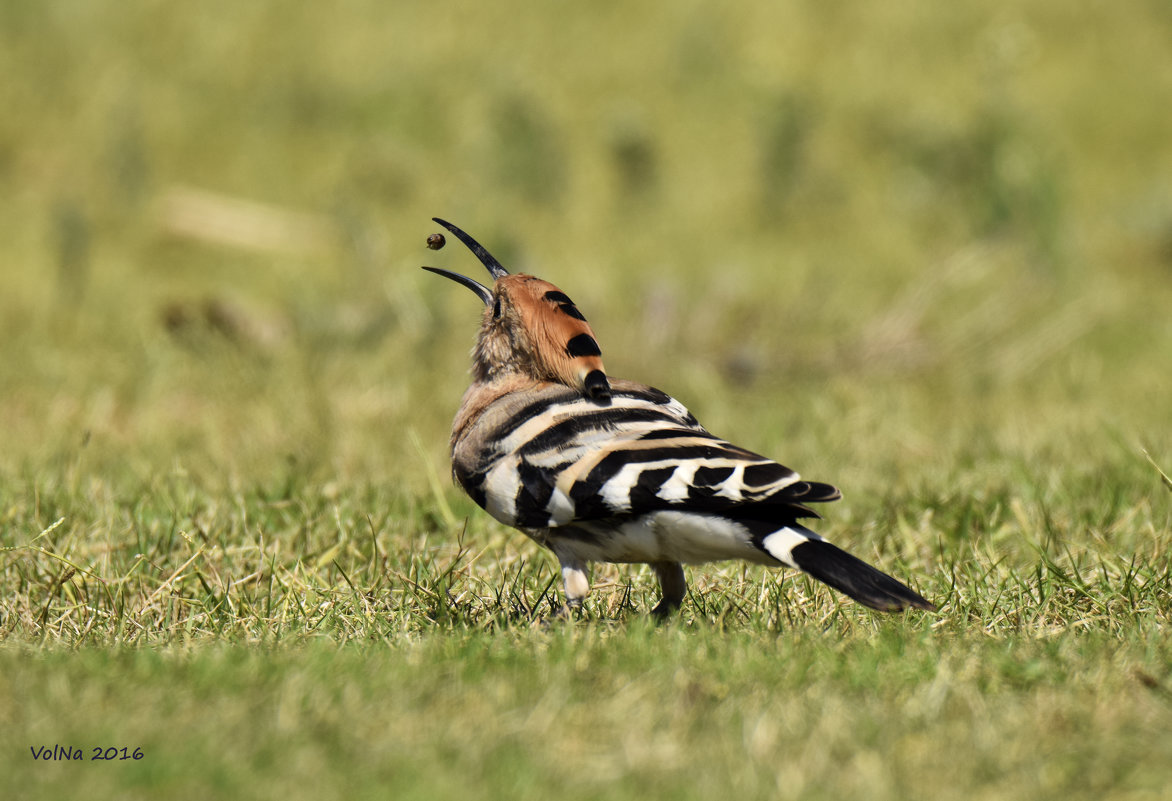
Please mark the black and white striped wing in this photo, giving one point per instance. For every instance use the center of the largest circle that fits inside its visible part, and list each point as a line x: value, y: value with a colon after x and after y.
x: 558, y: 458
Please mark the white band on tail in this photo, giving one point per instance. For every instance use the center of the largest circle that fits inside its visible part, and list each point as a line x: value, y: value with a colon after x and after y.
x: 781, y: 543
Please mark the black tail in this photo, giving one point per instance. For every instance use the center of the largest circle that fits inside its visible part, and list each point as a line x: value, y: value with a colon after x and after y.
x: 848, y: 574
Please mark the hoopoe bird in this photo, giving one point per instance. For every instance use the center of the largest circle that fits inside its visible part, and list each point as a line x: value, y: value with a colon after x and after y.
x: 598, y: 469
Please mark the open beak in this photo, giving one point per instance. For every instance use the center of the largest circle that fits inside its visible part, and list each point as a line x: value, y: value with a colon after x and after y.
x: 491, y: 264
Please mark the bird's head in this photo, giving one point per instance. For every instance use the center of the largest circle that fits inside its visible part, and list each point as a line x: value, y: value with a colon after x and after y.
x: 530, y: 327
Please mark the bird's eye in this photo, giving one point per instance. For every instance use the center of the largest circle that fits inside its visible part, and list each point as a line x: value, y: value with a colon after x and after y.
x: 496, y: 308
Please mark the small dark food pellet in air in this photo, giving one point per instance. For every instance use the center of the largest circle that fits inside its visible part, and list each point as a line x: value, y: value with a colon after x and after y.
x: 436, y: 241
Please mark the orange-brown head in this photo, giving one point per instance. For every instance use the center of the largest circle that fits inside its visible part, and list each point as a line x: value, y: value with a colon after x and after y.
x: 531, y: 328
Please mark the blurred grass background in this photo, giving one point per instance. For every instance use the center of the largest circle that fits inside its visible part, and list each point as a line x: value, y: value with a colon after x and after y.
x: 920, y: 250
x: 950, y: 223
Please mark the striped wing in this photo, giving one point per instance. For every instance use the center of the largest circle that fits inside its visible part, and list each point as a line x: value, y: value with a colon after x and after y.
x: 556, y: 457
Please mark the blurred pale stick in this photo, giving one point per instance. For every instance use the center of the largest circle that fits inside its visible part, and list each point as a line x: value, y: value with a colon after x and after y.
x: 193, y: 213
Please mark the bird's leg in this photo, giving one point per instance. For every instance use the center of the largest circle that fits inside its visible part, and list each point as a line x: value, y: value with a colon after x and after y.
x: 576, y: 581
x: 673, y: 584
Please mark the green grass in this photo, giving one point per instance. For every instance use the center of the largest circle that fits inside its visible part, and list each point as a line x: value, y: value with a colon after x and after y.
x: 617, y: 710
x: 920, y: 251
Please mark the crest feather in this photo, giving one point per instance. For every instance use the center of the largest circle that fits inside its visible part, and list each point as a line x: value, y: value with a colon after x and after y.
x: 564, y: 346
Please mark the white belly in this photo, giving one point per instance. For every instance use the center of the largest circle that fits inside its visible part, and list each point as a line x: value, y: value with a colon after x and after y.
x: 686, y: 537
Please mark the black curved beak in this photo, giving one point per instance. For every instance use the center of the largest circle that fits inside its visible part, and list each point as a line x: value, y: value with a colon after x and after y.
x: 483, y: 292
x: 494, y: 267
